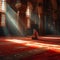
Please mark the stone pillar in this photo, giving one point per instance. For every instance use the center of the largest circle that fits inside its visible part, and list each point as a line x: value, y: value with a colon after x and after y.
x: 54, y: 13
x: 28, y: 17
x: 0, y: 5
x: 54, y: 10
x: 0, y: 11
x: 28, y: 13
x: 40, y: 12
x: 17, y: 19
x: 3, y: 16
x: 18, y: 5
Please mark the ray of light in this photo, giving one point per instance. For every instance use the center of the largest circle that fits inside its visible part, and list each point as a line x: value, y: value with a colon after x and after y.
x: 51, y: 37
x: 36, y: 44
x: 12, y: 18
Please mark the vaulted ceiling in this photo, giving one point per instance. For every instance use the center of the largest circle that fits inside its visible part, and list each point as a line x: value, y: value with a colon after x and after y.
x: 24, y: 2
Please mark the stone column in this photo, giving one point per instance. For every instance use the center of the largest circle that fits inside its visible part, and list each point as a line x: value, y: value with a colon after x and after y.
x: 18, y: 5
x: 54, y: 14
x: 3, y: 16
x: 28, y: 15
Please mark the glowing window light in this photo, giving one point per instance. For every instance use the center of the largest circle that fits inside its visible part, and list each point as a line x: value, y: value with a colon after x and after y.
x: 3, y: 5
x: 28, y: 11
x: 0, y: 5
x: 53, y: 47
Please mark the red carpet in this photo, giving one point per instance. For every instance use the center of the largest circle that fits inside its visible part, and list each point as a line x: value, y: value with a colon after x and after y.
x: 48, y: 55
x: 11, y: 50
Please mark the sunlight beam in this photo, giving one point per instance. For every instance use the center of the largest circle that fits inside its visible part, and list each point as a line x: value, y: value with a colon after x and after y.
x: 53, y: 47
